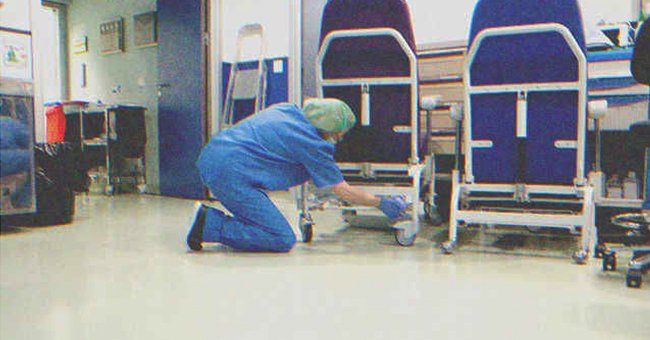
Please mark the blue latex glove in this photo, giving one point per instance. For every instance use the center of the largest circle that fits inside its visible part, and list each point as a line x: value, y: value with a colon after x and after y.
x: 393, y: 207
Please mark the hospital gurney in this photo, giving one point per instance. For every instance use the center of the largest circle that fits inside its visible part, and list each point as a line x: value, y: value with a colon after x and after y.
x: 366, y: 59
x: 525, y: 122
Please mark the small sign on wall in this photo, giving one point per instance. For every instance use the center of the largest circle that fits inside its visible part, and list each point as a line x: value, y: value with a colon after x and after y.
x: 145, y: 29
x: 111, y: 35
x: 80, y: 45
x: 15, y: 55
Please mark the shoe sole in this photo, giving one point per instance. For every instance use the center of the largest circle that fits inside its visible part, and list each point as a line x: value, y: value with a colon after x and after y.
x: 193, y: 240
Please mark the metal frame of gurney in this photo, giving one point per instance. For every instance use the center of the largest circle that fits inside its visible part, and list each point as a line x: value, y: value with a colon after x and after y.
x: 410, y: 172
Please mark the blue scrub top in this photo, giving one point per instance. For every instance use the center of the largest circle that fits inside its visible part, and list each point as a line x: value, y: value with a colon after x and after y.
x: 274, y: 149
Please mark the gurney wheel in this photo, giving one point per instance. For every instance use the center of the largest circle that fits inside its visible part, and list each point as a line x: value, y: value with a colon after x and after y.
x: 447, y: 248
x: 431, y: 213
x: 634, y: 278
x: 580, y: 257
x: 600, y: 251
x: 348, y: 215
x: 403, y: 239
x: 307, y: 231
x: 609, y: 261
x: 306, y: 228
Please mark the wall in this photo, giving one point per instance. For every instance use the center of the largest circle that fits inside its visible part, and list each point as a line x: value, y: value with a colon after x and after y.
x: 312, y: 10
x: 15, y: 14
x: 122, y: 78
x: 272, y: 15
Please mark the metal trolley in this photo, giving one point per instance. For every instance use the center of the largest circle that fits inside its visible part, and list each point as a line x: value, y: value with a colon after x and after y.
x: 112, y: 135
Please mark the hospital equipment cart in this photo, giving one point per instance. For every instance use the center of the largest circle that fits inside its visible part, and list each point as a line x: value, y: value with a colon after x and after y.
x: 118, y: 132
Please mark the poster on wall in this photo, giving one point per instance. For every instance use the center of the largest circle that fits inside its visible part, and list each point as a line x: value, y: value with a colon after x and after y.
x: 16, y: 54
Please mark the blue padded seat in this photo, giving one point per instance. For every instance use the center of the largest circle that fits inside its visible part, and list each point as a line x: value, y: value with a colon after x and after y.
x: 521, y: 59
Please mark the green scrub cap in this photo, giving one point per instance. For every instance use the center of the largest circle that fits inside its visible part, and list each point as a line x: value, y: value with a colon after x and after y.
x: 329, y: 114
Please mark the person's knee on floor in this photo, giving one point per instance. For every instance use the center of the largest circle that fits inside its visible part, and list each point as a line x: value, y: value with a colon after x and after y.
x: 255, y: 238
x: 284, y: 243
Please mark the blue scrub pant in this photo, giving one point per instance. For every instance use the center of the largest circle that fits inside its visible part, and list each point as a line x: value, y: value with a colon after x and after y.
x: 256, y: 224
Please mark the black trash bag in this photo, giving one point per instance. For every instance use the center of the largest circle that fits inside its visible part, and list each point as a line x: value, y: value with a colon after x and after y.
x: 63, y: 165
x: 54, y: 206
x: 60, y: 172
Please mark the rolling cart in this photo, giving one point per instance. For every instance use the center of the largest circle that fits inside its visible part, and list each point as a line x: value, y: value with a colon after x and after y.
x: 119, y: 132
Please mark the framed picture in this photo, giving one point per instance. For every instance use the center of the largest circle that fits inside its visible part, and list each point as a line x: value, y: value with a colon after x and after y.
x: 16, y: 54
x: 145, y: 29
x: 111, y: 36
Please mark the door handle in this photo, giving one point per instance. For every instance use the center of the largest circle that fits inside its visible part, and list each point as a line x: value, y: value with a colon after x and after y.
x: 161, y: 86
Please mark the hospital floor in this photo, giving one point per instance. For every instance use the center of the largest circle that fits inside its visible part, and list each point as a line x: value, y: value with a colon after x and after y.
x: 121, y: 271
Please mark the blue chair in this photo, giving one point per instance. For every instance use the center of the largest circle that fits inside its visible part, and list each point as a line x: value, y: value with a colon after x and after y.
x: 525, y: 120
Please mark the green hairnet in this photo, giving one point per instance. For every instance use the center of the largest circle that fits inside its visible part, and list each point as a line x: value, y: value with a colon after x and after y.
x: 329, y: 114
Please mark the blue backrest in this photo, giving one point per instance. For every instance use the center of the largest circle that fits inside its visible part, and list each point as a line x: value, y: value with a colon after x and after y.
x: 351, y: 57
x: 526, y: 54
x: 521, y: 59
x: 370, y: 57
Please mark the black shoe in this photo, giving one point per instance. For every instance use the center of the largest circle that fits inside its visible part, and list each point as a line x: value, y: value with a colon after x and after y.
x: 195, y: 236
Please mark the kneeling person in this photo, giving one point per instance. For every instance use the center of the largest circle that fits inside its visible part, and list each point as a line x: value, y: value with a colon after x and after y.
x: 275, y: 149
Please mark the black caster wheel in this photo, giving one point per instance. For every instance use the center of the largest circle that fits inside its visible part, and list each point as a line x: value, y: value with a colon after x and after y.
x: 599, y: 251
x: 609, y: 262
x: 348, y: 215
x: 634, y: 278
x: 580, y: 257
x: 403, y: 239
x: 431, y: 213
x: 306, y: 228
x: 307, y: 231
x: 447, y: 248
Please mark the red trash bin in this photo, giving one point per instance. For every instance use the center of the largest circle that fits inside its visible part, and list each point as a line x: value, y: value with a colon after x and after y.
x: 55, y: 123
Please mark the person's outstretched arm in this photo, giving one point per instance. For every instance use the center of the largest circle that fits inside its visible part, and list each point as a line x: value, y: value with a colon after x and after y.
x: 355, y: 195
x: 393, y: 207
